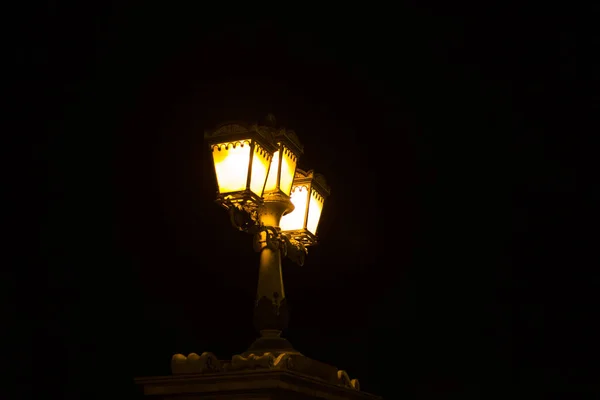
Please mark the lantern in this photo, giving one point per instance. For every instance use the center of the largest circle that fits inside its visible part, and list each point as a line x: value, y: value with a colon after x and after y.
x: 283, y: 165
x: 309, y: 192
x: 242, y: 156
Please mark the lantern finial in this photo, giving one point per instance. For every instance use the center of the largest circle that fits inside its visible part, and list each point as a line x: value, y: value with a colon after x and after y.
x: 271, y: 121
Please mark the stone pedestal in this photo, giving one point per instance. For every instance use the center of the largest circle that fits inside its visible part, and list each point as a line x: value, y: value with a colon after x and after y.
x: 263, y: 377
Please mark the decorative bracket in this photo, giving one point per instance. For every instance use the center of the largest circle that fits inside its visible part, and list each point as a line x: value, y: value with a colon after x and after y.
x: 246, y: 220
x: 274, y: 239
x: 294, y: 250
x: 267, y: 237
x: 242, y: 218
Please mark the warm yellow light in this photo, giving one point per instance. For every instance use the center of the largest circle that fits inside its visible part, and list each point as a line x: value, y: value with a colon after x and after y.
x: 284, y: 168
x: 272, y: 179
x: 231, y: 165
x: 315, y: 207
x: 295, y: 219
x: 260, y: 167
x: 288, y: 168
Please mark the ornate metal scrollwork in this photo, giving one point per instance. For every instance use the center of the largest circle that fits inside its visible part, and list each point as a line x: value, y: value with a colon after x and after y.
x: 242, y: 219
x: 272, y: 238
x: 266, y: 237
x: 246, y: 219
x: 294, y: 250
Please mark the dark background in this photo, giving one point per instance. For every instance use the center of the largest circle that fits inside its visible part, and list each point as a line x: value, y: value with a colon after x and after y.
x: 453, y: 246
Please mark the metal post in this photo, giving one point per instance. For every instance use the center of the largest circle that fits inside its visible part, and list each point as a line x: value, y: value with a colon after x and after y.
x: 271, y: 312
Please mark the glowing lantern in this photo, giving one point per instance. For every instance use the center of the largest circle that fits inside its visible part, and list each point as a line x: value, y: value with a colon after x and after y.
x: 309, y: 192
x: 242, y: 156
x: 283, y: 165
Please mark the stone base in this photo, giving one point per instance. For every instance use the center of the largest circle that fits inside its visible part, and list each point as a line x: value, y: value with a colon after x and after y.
x: 255, y: 384
x: 273, y: 345
x: 270, y: 341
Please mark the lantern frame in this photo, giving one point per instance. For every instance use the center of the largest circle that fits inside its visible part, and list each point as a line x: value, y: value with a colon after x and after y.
x: 240, y: 133
x: 311, y: 181
x: 285, y: 140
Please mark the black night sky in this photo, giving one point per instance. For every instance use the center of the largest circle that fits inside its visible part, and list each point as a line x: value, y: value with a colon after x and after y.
x: 452, y: 246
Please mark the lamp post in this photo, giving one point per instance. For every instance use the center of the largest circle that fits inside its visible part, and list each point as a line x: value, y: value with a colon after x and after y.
x: 267, y: 196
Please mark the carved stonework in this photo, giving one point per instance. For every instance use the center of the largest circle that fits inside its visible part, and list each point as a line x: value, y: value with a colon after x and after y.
x: 267, y: 360
x: 195, y: 364
x: 207, y: 363
x: 344, y: 380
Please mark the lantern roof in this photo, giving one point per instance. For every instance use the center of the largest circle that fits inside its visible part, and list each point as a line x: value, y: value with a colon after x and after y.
x: 290, y: 138
x: 317, y: 180
x: 283, y: 135
x: 239, y: 130
x: 236, y: 130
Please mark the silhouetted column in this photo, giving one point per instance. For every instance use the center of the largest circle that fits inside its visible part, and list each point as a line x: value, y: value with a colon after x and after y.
x: 271, y: 313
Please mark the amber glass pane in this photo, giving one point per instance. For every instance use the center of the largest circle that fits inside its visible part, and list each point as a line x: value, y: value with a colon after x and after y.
x: 288, y: 168
x: 295, y: 220
x: 272, y: 179
x: 260, y: 168
x: 231, y: 165
x: 315, y: 207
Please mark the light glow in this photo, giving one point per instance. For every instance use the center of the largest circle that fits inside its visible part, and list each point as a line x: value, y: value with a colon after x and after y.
x: 286, y: 174
x: 288, y: 169
x: 314, y: 212
x: 260, y: 167
x: 295, y: 220
x: 231, y: 165
x: 272, y: 179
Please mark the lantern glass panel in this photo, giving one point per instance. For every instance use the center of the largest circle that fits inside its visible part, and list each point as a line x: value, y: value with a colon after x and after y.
x: 295, y: 219
x: 271, y: 184
x: 231, y: 165
x: 288, y: 169
x: 315, y: 207
x: 285, y: 168
x: 260, y: 168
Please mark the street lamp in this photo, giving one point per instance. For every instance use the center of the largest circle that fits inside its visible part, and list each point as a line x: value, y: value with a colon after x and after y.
x: 267, y: 196
x: 259, y: 184
x: 308, y: 196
